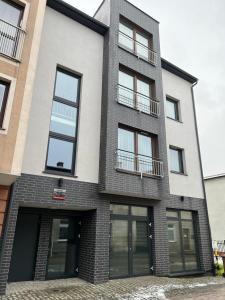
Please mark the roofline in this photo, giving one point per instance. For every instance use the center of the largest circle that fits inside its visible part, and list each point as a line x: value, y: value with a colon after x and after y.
x: 77, y: 15
x: 130, y: 4
x: 214, y: 176
x: 177, y: 71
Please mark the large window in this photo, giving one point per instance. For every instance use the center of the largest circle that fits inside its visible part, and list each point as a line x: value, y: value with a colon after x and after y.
x: 136, y: 151
x: 172, y: 109
x: 4, y: 89
x: 137, y: 92
x: 11, y: 36
x: 136, y: 40
x: 182, y: 241
x: 63, y: 126
x: 176, y: 160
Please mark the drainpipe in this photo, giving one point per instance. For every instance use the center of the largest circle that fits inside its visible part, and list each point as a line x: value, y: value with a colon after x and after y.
x: 204, y: 192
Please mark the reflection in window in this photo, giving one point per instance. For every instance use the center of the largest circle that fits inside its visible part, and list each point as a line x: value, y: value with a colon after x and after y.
x: 176, y: 160
x: 60, y: 154
x: 182, y: 242
x: 63, y: 126
x: 172, y: 110
x: 4, y: 89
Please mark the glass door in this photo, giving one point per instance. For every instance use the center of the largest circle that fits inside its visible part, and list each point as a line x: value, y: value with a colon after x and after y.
x: 140, y: 247
x: 130, y: 244
x: 64, y: 248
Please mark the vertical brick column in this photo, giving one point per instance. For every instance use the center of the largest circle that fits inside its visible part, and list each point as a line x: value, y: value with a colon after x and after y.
x: 43, y: 248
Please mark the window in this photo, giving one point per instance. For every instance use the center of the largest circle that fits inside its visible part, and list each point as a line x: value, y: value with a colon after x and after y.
x: 4, y: 90
x: 182, y: 241
x: 176, y: 160
x: 137, y: 92
x: 11, y: 12
x: 136, y: 151
x: 63, y: 126
x: 10, y: 33
x: 172, y: 109
x: 136, y: 40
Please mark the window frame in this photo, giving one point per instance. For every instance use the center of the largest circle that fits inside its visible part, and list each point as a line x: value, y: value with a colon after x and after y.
x: 136, y: 76
x: 19, y: 7
x: 60, y: 136
x: 4, y: 101
x: 177, y: 108
x: 181, y: 161
x: 136, y: 132
x: 136, y: 30
x: 193, y: 220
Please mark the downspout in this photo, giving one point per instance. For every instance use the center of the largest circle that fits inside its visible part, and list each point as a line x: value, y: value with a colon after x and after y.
x: 200, y: 160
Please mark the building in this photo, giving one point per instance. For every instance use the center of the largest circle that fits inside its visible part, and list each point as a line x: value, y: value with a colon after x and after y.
x: 215, y: 191
x: 20, y: 23
x: 111, y: 183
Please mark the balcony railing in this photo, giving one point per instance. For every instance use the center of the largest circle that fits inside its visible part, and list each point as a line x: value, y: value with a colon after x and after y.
x: 138, y: 101
x: 137, y: 48
x: 11, y: 40
x: 141, y: 164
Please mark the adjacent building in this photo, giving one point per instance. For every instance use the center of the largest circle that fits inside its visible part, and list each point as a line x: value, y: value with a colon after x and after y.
x: 110, y: 183
x: 20, y: 24
x: 215, y: 194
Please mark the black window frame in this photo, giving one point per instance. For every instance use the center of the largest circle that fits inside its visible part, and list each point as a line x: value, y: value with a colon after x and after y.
x: 181, y: 160
x: 4, y: 101
x: 176, y: 103
x: 63, y: 137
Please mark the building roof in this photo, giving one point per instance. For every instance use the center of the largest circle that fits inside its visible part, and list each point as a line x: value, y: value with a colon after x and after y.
x: 177, y: 71
x: 77, y: 15
x: 214, y: 176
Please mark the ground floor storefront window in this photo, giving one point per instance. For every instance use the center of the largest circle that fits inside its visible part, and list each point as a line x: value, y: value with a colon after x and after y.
x: 130, y: 243
x: 182, y: 241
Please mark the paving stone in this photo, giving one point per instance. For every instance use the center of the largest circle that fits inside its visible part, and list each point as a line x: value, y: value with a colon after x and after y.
x: 138, y: 288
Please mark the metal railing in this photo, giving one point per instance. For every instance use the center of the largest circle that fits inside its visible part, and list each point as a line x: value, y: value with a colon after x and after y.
x: 137, y: 48
x: 11, y: 40
x: 142, y: 164
x: 138, y: 101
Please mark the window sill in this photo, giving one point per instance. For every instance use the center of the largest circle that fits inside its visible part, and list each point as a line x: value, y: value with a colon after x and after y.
x: 134, y: 54
x: 58, y: 173
x: 179, y: 173
x: 137, y: 173
x: 187, y: 273
x: 178, y: 121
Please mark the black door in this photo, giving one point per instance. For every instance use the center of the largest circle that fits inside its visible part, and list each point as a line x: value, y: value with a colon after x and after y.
x: 64, y: 248
x: 24, y: 248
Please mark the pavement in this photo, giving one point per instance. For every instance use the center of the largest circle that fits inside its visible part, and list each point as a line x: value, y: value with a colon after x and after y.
x: 138, y: 288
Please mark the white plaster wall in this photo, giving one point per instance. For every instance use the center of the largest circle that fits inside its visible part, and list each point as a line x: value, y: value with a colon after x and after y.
x: 71, y: 45
x: 103, y: 14
x: 215, y: 195
x: 183, y: 135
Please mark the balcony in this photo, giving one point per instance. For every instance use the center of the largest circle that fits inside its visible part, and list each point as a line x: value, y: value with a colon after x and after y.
x: 137, y: 101
x: 140, y: 50
x: 140, y: 164
x: 11, y: 40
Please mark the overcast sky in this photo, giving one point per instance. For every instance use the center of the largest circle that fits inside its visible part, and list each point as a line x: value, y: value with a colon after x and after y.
x: 193, y: 37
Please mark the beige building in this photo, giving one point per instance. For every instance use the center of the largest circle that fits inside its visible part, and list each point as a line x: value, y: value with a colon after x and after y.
x: 19, y: 19
x: 215, y: 195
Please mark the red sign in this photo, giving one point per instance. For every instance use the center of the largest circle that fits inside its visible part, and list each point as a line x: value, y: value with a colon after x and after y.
x: 59, y: 194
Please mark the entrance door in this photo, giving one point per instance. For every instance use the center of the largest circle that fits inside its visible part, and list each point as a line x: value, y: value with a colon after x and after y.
x: 24, y: 247
x: 64, y: 248
x: 130, y: 245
